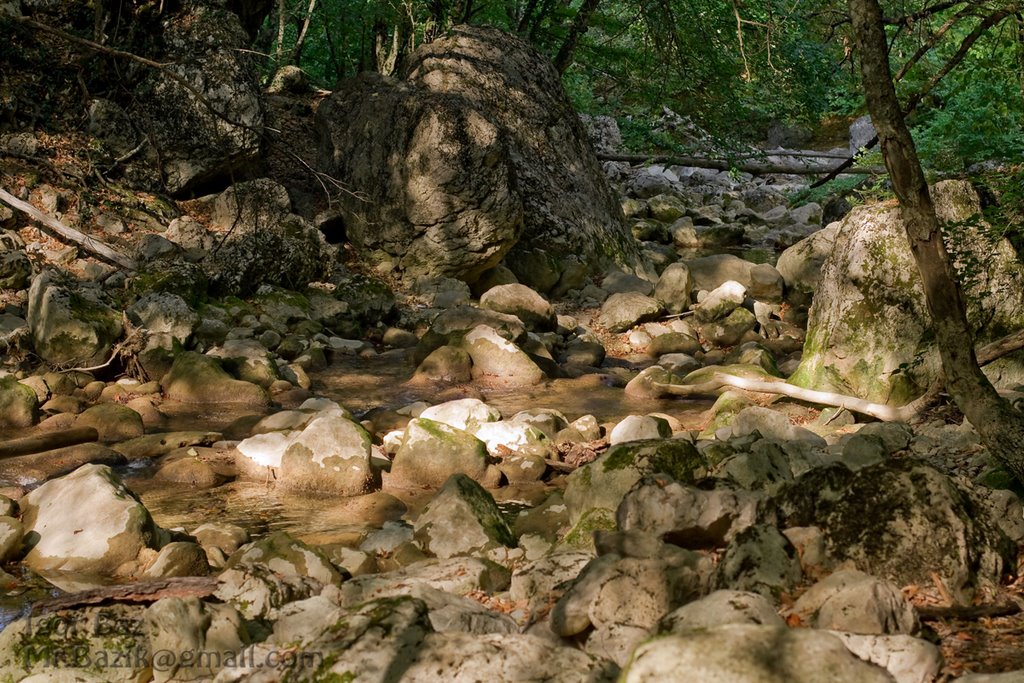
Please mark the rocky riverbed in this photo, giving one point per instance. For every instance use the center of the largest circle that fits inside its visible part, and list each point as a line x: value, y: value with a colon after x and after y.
x: 433, y: 436
x: 486, y: 484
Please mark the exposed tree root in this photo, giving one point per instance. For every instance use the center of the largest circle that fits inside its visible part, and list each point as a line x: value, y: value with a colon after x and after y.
x: 880, y: 411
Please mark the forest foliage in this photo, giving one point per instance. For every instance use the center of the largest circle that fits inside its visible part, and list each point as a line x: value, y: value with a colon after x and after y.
x: 730, y: 65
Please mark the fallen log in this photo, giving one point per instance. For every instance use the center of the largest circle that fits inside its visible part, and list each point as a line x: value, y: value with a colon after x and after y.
x: 47, y: 442
x: 67, y: 234
x: 969, y: 612
x: 746, y: 167
x: 1001, y: 347
x: 880, y: 411
x: 140, y: 592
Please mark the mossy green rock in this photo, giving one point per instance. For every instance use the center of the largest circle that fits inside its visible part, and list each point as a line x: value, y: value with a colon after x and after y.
x: 19, y: 405
x: 869, y: 332
x: 728, y: 405
x: 462, y: 519
x: 195, y: 378
x: 432, y: 451
x: 106, y: 536
x: 112, y: 421
x: 901, y: 520
x: 581, y: 535
x: 604, y: 482
x: 69, y: 327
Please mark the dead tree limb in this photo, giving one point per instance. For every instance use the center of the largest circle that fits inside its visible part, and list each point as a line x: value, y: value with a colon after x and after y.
x: 67, y: 234
x: 745, y: 166
x: 1001, y: 347
x: 139, y: 592
x: 969, y: 612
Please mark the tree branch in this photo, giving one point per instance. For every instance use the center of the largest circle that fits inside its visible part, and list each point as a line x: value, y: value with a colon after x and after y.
x: 64, y: 233
x: 913, y: 17
x: 916, y: 99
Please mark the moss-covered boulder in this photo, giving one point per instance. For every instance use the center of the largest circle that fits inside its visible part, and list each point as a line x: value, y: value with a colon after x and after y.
x: 195, y: 378
x: 604, y: 482
x: 112, y: 421
x: 108, y: 538
x: 19, y: 405
x: 869, y: 331
x: 901, y: 520
x: 432, y: 451
x: 462, y: 519
x: 70, y: 326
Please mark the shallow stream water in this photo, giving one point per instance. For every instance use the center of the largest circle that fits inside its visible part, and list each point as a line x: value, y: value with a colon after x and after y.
x: 362, y: 385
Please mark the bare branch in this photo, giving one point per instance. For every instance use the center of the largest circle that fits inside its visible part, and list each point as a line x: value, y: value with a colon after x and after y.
x: 67, y: 234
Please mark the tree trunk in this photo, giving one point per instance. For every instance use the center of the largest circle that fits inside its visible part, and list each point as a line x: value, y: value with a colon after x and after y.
x: 300, y: 41
x: 1000, y: 426
x: 580, y: 24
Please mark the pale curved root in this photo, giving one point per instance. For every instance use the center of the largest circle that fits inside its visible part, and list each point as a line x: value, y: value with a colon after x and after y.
x: 880, y: 411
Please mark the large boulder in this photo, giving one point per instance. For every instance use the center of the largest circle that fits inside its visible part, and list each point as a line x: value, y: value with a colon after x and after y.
x: 869, y: 332
x: 200, y: 142
x: 70, y: 326
x: 485, y: 141
x: 109, y: 540
x: 903, y: 521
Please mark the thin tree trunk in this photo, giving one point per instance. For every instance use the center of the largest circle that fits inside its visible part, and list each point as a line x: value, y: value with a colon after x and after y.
x: 301, y: 40
x: 1000, y: 426
x: 282, y: 21
x: 580, y: 24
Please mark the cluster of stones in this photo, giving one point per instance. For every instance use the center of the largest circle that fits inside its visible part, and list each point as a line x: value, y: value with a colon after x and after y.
x: 671, y: 556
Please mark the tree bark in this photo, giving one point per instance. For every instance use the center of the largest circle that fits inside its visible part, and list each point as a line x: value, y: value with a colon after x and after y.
x: 68, y: 234
x: 999, y: 425
x: 580, y: 24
